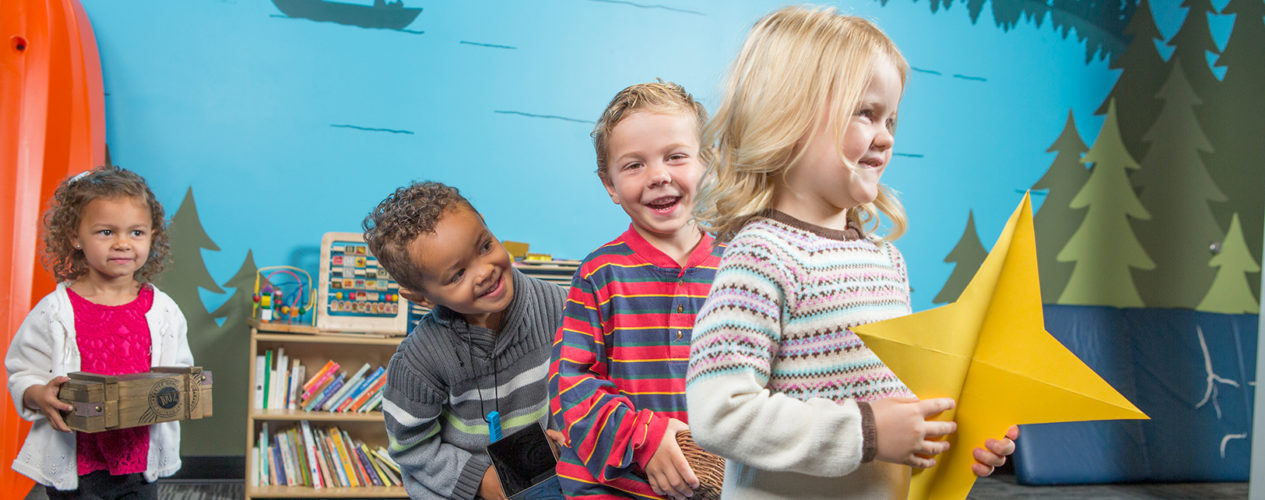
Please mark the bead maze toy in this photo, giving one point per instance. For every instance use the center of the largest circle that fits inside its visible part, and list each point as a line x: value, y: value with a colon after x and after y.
x: 355, y: 293
x: 269, y: 299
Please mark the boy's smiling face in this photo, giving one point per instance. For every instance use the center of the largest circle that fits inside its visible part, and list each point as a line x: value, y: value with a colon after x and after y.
x: 464, y: 268
x: 654, y: 167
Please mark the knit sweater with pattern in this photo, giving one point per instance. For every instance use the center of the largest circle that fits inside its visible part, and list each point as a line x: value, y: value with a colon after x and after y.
x: 448, y: 374
x: 778, y: 384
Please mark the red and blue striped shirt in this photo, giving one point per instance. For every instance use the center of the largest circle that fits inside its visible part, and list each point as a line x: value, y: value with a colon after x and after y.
x: 619, y: 360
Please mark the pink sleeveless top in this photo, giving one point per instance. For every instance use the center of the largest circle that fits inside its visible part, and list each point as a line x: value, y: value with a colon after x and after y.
x: 113, y: 340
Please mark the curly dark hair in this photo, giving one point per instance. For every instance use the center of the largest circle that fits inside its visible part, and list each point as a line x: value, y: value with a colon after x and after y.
x: 65, y: 210
x: 399, y: 219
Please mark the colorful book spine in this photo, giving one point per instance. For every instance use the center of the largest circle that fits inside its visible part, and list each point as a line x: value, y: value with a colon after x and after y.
x: 326, y: 394
x: 349, y: 471
x: 369, y: 393
x: 278, y: 466
x: 365, y: 384
x: 355, y: 462
x: 318, y: 381
x: 372, y: 404
x: 329, y: 365
x: 334, y: 400
x: 309, y: 451
x: 267, y: 378
x: 373, y: 462
x: 334, y: 462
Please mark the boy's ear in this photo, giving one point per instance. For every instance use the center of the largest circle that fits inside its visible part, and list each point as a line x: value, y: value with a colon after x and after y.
x: 610, y: 190
x: 415, y: 297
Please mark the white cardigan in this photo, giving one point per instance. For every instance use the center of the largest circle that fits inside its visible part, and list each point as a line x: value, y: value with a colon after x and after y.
x: 45, y: 347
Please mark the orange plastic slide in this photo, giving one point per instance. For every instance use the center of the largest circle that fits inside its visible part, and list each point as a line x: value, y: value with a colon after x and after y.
x: 52, y: 124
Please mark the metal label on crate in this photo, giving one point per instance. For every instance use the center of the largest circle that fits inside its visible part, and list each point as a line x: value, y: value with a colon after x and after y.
x: 164, y: 401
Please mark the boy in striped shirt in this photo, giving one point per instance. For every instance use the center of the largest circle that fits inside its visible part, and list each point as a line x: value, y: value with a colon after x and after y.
x: 617, y: 373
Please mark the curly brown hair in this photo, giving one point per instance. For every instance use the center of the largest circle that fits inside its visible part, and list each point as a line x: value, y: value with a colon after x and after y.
x: 61, y: 220
x: 399, y: 219
x: 657, y: 96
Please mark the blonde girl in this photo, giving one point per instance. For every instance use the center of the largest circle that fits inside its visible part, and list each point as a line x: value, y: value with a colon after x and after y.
x: 104, y: 239
x: 778, y: 384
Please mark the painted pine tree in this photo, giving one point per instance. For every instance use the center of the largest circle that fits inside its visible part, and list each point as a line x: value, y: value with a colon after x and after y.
x: 1176, y: 190
x: 968, y: 255
x: 1230, y: 292
x: 1104, y: 247
x: 1141, y: 72
x: 1056, y: 220
x: 1238, y: 132
x: 183, y: 280
x: 1191, y: 45
x: 231, y: 363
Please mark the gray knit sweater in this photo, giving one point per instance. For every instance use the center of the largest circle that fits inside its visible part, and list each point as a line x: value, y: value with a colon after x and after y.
x: 447, y: 375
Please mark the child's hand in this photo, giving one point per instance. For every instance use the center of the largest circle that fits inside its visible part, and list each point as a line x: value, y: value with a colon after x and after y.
x: 669, y: 473
x: 905, y: 436
x: 556, y: 441
x: 994, y: 453
x: 43, y: 398
x: 490, y: 487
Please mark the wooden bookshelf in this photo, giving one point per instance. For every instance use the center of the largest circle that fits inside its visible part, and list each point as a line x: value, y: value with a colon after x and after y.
x: 313, y: 347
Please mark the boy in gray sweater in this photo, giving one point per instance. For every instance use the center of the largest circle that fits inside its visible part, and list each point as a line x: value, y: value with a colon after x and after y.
x: 484, y: 347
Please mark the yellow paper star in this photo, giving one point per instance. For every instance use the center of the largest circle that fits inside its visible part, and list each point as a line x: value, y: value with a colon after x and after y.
x: 989, y: 351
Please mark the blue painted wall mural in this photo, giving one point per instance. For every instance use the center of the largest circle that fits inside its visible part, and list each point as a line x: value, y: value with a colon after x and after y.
x: 262, y: 125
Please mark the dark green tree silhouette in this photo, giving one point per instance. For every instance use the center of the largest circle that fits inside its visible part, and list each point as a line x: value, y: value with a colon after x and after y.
x: 968, y: 254
x: 1191, y: 46
x: 1104, y: 247
x: 1099, y: 24
x: 1230, y: 292
x: 183, y: 279
x: 1176, y: 190
x: 236, y: 310
x: 230, y: 353
x: 1142, y: 70
x: 1056, y: 220
x: 1235, y: 121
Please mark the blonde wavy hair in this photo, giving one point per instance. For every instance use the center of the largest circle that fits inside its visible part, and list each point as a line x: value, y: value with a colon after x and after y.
x: 659, y: 96
x: 794, y: 63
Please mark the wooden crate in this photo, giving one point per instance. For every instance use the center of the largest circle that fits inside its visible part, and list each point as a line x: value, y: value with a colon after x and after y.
x: 163, y: 394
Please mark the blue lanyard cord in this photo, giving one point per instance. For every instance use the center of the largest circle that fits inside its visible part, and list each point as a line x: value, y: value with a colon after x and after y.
x: 493, y: 418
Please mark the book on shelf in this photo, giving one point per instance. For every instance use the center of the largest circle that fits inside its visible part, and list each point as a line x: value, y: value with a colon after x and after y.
x: 278, y: 379
x: 309, y: 451
x: 369, y: 392
x: 386, y: 459
x: 335, y: 460
x: 309, y: 455
x: 267, y: 375
x: 373, y: 403
x: 276, y: 468
x: 260, y: 378
x: 296, y: 376
x: 367, y: 467
x: 329, y: 391
x: 351, y: 383
x: 364, y: 385
x: 377, y: 469
x: 319, y: 379
x: 287, y: 462
x: 344, y: 460
x: 355, y: 461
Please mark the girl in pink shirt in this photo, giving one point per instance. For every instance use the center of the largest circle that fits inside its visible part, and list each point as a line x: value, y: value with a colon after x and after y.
x: 104, y: 238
